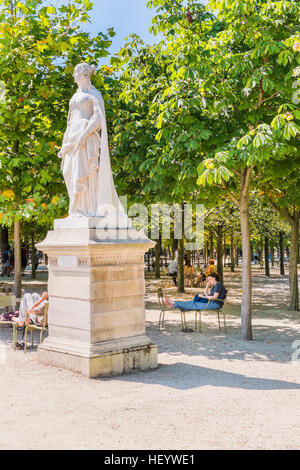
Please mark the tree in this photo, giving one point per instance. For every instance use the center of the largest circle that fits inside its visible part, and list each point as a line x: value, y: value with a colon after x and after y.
x: 248, y: 82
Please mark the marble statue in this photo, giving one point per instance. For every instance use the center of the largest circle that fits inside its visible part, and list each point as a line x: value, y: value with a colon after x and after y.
x: 94, y: 255
x: 85, y: 156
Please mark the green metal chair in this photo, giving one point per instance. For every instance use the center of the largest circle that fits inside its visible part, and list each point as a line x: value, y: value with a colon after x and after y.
x: 164, y: 309
x: 220, y: 310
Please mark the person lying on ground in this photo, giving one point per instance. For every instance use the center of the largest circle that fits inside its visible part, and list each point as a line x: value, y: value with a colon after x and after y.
x: 214, y: 291
x: 35, y: 306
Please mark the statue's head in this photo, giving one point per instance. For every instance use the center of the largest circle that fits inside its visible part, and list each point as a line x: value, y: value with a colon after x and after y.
x: 84, y: 71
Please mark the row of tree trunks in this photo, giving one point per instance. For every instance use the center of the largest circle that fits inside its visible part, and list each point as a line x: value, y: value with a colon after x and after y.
x: 157, y: 250
x: 261, y: 248
x: 232, y: 252
x: 281, y: 253
x: 180, y: 260
x: 267, y: 264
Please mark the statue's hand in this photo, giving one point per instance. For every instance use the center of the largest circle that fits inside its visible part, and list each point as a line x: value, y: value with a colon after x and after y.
x: 82, y: 141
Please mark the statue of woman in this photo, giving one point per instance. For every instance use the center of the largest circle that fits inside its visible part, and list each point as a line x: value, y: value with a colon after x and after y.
x: 85, y: 155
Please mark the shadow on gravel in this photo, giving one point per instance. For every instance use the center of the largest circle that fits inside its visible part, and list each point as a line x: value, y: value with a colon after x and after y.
x: 182, y: 376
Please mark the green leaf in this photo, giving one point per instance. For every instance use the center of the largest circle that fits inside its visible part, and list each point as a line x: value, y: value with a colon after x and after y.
x: 244, y: 141
x: 278, y: 121
x: 259, y: 140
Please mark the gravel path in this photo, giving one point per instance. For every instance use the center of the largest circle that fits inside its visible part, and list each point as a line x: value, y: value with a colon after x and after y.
x: 210, y: 391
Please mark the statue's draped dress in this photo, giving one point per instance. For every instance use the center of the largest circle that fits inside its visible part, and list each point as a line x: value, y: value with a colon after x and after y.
x: 87, y: 170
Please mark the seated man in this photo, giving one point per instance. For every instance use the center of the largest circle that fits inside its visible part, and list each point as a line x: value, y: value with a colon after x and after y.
x: 35, y: 305
x: 214, y: 291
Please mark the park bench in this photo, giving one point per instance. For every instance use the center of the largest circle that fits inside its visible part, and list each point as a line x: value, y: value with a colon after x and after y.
x: 164, y: 309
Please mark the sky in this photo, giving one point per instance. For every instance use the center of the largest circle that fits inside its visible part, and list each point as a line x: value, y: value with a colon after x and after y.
x: 125, y: 16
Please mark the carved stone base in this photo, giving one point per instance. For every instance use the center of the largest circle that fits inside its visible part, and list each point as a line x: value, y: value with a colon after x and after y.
x: 112, y: 358
x: 96, y: 302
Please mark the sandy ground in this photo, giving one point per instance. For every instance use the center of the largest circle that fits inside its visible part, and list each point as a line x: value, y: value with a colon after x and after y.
x: 210, y: 391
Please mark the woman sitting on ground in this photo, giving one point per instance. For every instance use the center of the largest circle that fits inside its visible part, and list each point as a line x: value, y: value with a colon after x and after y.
x: 214, y: 291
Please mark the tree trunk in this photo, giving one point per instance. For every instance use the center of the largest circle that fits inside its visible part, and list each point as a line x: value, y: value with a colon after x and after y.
x: 246, y: 267
x: 272, y: 253
x: 232, y: 252
x: 206, y: 253
x: 17, y: 258
x: 267, y: 263
x: 180, y: 283
x: 281, y: 253
x: 293, y: 269
x: 261, y: 249
x: 174, y: 245
x: 157, y: 258
x: 33, y: 260
x: 220, y: 251
x: 211, y: 244
x: 148, y: 262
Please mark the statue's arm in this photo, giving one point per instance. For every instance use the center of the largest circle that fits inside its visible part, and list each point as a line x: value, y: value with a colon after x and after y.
x: 94, y: 124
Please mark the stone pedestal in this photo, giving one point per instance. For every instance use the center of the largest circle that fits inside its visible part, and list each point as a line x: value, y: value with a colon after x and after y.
x: 96, y: 299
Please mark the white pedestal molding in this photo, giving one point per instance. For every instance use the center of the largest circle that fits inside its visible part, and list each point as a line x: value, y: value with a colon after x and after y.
x: 96, y: 299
